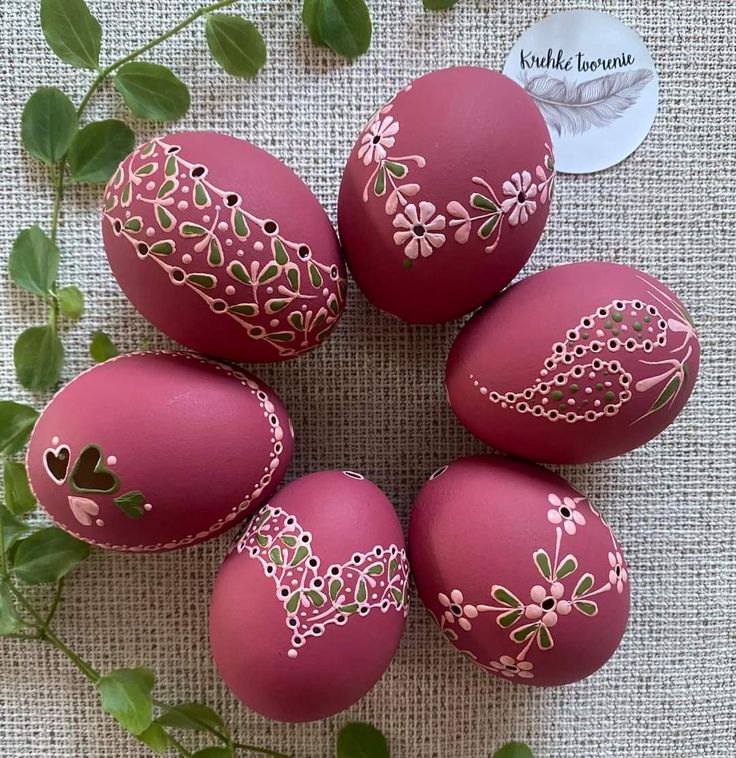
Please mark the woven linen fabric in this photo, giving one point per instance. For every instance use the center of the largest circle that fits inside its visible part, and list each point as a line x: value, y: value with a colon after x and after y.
x: 372, y: 398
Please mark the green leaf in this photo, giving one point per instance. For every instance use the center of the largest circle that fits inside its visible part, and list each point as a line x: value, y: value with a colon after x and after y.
x: 72, y: 32
x: 10, y: 621
x: 335, y: 587
x: 71, y: 302
x: 345, y: 26
x: 101, y: 348
x: 587, y: 607
x: 543, y: 564
x: 361, y: 591
x: 126, y: 696
x: 235, y: 44
x: 34, y: 261
x: 310, y: 19
x: 98, y: 149
x: 513, y: 749
x: 13, y: 529
x: 483, y: 203
x: 509, y: 618
x: 504, y: 596
x: 48, y: 124
x: 18, y: 496
x: 316, y: 598
x: 155, y: 737
x: 524, y: 632
x: 214, y: 752
x: 583, y: 585
x: 152, y: 92
x: 545, y: 638
x: 357, y: 740
x: 16, y: 422
x: 196, y: 717
x: 672, y: 387
x: 131, y: 504
x: 48, y: 555
x: 39, y: 358
x: 293, y: 602
x: 397, y: 169
x: 568, y: 564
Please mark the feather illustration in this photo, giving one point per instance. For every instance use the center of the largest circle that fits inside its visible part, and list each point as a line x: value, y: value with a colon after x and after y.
x: 574, y: 108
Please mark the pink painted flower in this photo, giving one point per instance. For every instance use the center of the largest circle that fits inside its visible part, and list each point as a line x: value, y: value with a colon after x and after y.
x: 547, y: 605
x: 618, y: 575
x: 520, y: 192
x: 507, y: 666
x: 419, y: 230
x: 378, y: 139
x: 457, y: 611
x: 565, y: 512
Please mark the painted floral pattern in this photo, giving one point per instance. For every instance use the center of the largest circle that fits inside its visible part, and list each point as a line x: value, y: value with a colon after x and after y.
x: 419, y: 230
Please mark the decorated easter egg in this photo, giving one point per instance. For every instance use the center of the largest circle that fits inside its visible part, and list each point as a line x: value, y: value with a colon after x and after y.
x: 223, y: 248
x: 445, y: 194
x: 156, y: 451
x: 309, y: 606
x: 577, y: 363
x: 519, y: 570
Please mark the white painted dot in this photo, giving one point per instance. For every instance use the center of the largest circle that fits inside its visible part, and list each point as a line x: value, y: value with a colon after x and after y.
x: 127, y: 213
x: 182, y: 175
x: 228, y: 242
x: 258, y: 246
x: 325, y: 292
x: 206, y: 219
x: 304, y: 308
x: 100, y: 522
x: 185, y: 188
x: 292, y: 654
x: 182, y: 205
x: 147, y: 507
x: 150, y: 232
x: 186, y: 258
x: 269, y: 290
x: 150, y: 185
x: 240, y: 253
x: 54, y: 440
x: 222, y: 226
x: 274, y: 322
x: 229, y: 290
x: 111, y: 460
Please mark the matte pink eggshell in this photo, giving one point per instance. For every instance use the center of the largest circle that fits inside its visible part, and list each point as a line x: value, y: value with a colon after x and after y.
x: 519, y: 570
x: 445, y: 194
x: 222, y: 247
x: 578, y: 363
x: 308, y: 608
x: 156, y: 451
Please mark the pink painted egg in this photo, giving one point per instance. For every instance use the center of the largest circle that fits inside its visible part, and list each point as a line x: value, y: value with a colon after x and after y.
x: 519, y: 570
x: 156, y: 451
x: 309, y: 606
x: 222, y: 247
x: 445, y: 194
x: 578, y: 363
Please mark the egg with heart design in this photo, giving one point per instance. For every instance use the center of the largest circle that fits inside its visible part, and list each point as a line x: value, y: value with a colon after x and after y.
x: 318, y: 587
x: 146, y: 452
x: 222, y: 247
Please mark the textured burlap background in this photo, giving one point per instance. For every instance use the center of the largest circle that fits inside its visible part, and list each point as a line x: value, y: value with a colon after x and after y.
x: 372, y: 398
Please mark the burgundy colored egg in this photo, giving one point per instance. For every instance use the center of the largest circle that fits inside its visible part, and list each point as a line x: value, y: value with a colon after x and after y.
x: 577, y: 363
x: 445, y: 194
x: 156, y: 451
x: 519, y: 570
x: 309, y: 606
x: 222, y: 247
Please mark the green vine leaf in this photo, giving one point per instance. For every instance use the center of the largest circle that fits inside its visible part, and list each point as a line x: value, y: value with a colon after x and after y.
x: 131, y: 504
x: 34, y: 261
x: 155, y: 737
x: 345, y: 26
x: 126, y: 696
x: 236, y: 44
x: 514, y: 750
x: 438, y: 5
x: 195, y: 717
x: 72, y: 32
x: 10, y: 621
x: 16, y: 422
x: 214, y: 752
x: 357, y: 740
x: 17, y: 491
x: 13, y: 528
x: 39, y: 357
x: 48, y: 124
x: 102, y: 348
x: 152, y: 92
x: 48, y: 555
x: 310, y: 19
x: 98, y: 149
x: 71, y: 302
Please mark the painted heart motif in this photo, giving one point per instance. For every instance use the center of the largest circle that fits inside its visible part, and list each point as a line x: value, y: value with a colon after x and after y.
x: 84, y: 509
x: 56, y: 462
x: 91, y: 475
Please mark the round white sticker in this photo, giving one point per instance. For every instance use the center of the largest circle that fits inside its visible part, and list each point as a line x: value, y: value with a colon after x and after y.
x: 594, y: 82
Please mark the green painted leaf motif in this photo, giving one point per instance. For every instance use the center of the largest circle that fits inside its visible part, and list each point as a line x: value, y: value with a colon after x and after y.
x: 133, y: 224
x: 333, y: 304
x: 152, y: 91
x: 345, y: 26
x: 47, y: 555
x: 310, y: 19
x: 236, y: 44
x: 16, y: 422
x: 348, y: 609
x: 131, y: 504
x: 39, y: 357
x: 544, y: 639
x: 71, y: 302
x: 296, y: 320
x: 240, y: 225
x: 319, y: 319
x: 509, y: 618
x: 397, y: 169
x: 505, y: 597
x: 513, y: 750
x: 239, y: 272
x: 48, y: 124
x: 72, y: 32
x: 356, y: 740
x: 10, y: 621
x: 300, y: 556
x: 163, y: 247
x: 316, y: 598
x: 587, y: 607
x: 314, y: 276
x: 214, y: 254
x: 667, y: 394
x: 202, y: 198
x: 289, y: 540
x: 193, y: 717
x: 17, y: 491
x: 98, y: 149
x: 34, y: 261
x: 275, y: 305
x: 361, y: 591
x: 281, y: 336
x: 244, y: 309
x: 167, y: 188
x: 279, y: 251
x: 155, y: 738
x: 148, y: 149
x: 275, y: 555
x: 583, y: 585
x: 487, y: 228
x: 126, y: 195
x: 262, y: 540
x: 542, y: 561
x: 126, y: 695
x: 398, y: 595
x: 101, y: 348
x: 524, y: 632
x: 379, y: 186
x: 269, y: 273
x: 568, y: 564
x: 393, y: 565
x: 375, y: 570
x: 205, y: 281
x: 171, y: 167
x: 335, y: 587
x: 293, y: 602
x: 483, y: 203
x: 146, y: 169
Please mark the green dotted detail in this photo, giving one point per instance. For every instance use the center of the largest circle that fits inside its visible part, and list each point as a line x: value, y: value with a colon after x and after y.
x: 406, y: 263
x: 617, y: 316
x: 637, y: 326
x: 556, y: 395
x: 599, y: 386
x: 585, y: 335
x: 574, y: 388
x: 647, y: 319
x: 616, y: 332
x: 609, y: 396
x: 608, y: 324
